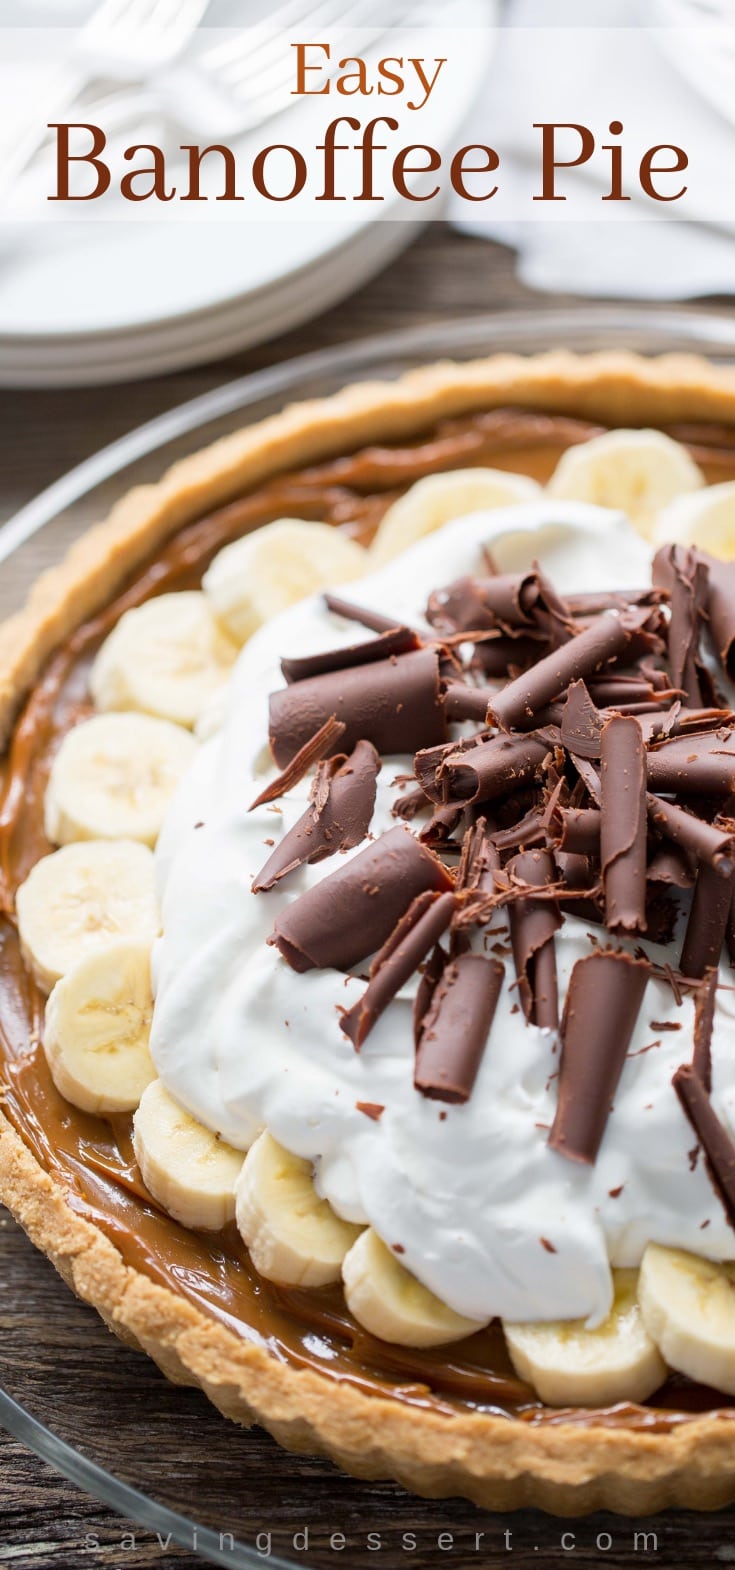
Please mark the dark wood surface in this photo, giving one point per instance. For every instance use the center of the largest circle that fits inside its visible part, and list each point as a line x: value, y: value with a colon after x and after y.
x: 46, y: 1521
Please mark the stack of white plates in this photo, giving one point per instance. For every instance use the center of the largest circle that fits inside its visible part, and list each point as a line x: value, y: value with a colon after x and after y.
x: 87, y: 302
x: 108, y: 304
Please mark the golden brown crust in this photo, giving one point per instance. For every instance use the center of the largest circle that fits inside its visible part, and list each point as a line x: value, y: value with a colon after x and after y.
x: 501, y: 1464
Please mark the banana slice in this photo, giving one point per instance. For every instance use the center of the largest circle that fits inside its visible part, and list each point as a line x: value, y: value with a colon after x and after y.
x: 80, y: 899
x: 114, y: 777
x: 688, y: 1308
x: 293, y: 1236
x: 636, y: 471
x: 391, y: 1304
x: 166, y: 658
x: 571, y: 1366
x: 97, y: 1028
x: 190, y: 1171
x: 439, y: 498
x: 272, y: 568
x: 706, y: 519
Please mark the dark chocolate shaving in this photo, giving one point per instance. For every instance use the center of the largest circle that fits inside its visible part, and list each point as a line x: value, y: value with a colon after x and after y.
x: 623, y: 826
x: 516, y: 706
x: 577, y: 830
x: 698, y: 765
x: 353, y: 911
x: 317, y: 747
x: 701, y: 840
x: 371, y: 619
x: 418, y: 930
x: 454, y: 1031
x: 704, y: 1018
x: 399, y: 640
x: 533, y: 923
x: 602, y: 1006
x: 581, y: 723
x: 338, y: 818
x: 467, y: 703
x: 489, y: 771
x: 708, y: 918
x: 678, y: 569
x: 718, y: 1147
x: 393, y: 703
x: 721, y: 609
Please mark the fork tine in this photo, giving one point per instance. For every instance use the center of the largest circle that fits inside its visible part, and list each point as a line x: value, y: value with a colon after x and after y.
x: 257, y: 58
x: 290, y: 14
x: 246, y: 65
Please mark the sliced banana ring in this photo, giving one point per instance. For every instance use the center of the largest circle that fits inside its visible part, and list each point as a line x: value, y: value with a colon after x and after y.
x: 439, y: 498
x: 114, y: 777
x: 638, y: 472
x: 569, y: 1365
x: 292, y: 1235
x: 391, y: 1304
x: 706, y: 518
x: 97, y: 1028
x: 190, y: 1171
x: 81, y: 898
x: 265, y: 572
x: 165, y: 658
x: 688, y: 1308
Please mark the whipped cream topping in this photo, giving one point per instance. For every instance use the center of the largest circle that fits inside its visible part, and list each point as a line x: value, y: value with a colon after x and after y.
x: 487, y: 1216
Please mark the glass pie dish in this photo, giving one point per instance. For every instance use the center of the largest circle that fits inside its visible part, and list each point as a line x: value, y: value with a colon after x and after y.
x: 35, y: 540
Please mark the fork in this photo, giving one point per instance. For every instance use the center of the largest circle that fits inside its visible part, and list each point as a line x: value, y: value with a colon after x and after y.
x: 123, y: 39
x: 245, y: 79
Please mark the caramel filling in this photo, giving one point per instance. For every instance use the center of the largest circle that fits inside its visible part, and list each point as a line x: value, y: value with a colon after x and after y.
x: 92, y: 1158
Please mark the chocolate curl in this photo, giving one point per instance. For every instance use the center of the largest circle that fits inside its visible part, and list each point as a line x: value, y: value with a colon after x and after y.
x: 507, y: 602
x: 393, y: 703
x: 701, y: 840
x: 721, y: 608
x: 352, y: 912
x: 708, y: 919
x: 338, y: 818
x: 516, y: 706
x: 623, y: 825
x: 467, y: 703
x: 441, y: 825
x: 489, y: 771
x: 679, y: 570
x: 426, y: 919
x: 602, y: 1006
x: 533, y: 923
x: 660, y: 724
x: 313, y: 750
x: 371, y: 619
x: 612, y: 600
x: 577, y: 830
x: 530, y: 830
x: 501, y: 655
x: 692, y: 766
x: 408, y: 804
x: 581, y: 723
x: 718, y: 1147
x: 704, y: 1019
x: 399, y: 640
x: 609, y: 692
x: 456, y: 1027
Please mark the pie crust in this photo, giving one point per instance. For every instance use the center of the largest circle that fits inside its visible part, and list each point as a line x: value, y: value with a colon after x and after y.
x: 566, y: 1467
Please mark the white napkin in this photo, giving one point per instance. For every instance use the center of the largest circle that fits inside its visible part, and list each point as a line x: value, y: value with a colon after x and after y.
x: 678, y: 83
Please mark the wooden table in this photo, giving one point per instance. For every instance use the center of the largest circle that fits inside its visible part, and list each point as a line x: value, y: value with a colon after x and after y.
x: 45, y: 1521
